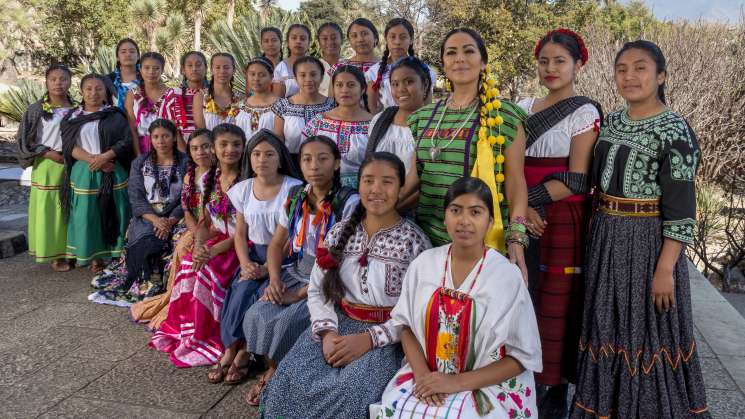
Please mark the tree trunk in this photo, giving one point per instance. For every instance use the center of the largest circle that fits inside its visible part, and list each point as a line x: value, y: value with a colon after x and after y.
x: 198, y: 30
x: 231, y: 13
x: 151, y: 38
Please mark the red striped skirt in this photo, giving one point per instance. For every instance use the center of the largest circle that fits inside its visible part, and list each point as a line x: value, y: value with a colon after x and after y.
x: 558, y: 289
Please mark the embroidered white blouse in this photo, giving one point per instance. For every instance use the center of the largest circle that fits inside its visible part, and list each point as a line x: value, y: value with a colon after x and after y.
x: 388, y: 252
x: 557, y: 141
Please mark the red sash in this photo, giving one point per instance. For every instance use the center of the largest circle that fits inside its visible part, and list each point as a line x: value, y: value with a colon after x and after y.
x: 365, y: 313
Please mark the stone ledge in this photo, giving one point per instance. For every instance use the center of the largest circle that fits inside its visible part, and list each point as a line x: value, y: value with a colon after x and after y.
x: 12, y: 243
x: 721, y: 325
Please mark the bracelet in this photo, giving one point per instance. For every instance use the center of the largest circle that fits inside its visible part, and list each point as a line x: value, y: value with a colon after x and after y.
x: 518, y: 237
x: 519, y: 224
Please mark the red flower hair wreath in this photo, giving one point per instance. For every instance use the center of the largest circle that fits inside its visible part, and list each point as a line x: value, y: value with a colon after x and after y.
x: 583, y: 54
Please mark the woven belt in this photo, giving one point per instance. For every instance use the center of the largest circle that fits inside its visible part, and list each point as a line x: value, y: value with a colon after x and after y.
x: 629, y: 207
x: 367, y: 314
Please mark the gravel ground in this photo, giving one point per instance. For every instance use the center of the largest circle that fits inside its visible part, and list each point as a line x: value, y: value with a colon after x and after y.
x: 11, y: 193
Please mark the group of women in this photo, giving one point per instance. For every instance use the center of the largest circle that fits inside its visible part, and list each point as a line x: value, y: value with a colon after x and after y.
x: 370, y: 251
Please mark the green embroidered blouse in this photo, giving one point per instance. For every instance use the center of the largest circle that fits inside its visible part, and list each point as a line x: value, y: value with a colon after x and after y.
x: 651, y: 158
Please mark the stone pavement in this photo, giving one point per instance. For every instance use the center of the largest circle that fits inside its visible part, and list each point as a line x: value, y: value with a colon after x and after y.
x: 62, y: 356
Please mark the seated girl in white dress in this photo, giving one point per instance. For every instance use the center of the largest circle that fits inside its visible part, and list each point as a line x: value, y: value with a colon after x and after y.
x: 468, y: 327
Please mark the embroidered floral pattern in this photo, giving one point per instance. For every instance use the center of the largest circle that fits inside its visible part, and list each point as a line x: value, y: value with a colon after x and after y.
x: 513, y: 392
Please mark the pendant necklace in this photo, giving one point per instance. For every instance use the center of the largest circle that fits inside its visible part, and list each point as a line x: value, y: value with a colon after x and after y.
x: 435, y: 150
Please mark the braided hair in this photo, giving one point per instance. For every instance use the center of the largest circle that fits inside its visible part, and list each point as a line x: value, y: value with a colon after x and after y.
x: 332, y: 285
x: 184, y: 81
x: 191, y: 168
x: 49, y: 70
x: 149, y: 56
x: 220, y: 130
x: 480, y: 45
x: 152, y: 155
x: 277, y: 32
x: 358, y: 74
x: 211, y: 85
x: 337, y: 156
x: 386, y: 53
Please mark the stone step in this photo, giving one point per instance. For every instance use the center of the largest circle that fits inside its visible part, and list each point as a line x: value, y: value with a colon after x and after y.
x: 12, y: 243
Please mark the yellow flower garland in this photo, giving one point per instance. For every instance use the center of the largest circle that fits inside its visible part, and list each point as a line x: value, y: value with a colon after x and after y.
x: 488, y: 167
x: 212, y: 107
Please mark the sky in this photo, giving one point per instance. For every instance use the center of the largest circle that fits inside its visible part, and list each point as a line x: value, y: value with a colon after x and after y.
x: 720, y: 10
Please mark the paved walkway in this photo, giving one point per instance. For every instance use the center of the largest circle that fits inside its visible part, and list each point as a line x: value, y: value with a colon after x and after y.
x: 62, y: 356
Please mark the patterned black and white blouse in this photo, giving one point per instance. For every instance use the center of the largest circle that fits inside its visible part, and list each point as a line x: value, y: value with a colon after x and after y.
x: 377, y: 282
x: 651, y: 158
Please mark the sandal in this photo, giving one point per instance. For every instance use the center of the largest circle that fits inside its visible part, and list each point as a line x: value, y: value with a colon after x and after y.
x: 219, y: 372
x: 236, y: 375
x: 253, y: 397
x: 97, y: 266
x: 59, y: 265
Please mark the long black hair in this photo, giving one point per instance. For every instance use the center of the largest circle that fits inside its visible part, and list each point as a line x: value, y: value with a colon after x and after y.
x: 277, y: 32
x: 49, y: 70
x: 358, y: 75
x: 334, y: 151
x: 287, y: 165
x: 420, y: 68
x: 333, y: 285
x: 305, y: 60
x: 184, y: 81
x: 191, y: 168
x: 223, y: 129
x: 150, y: 55
x: 211, y: 88
x: 657, y: 56
x: 399, y: 21
x: 152, y: 155
x: 332, y: 25
x: 470, y: 185
x: 297, y: 26
x: 107, y: 87
x: 361, y: 21
x: 119, y: 45
x: 480, y: 45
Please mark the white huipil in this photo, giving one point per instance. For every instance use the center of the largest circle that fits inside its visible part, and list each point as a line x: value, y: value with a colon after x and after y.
x: 388, y: 253
x: 502, y: 324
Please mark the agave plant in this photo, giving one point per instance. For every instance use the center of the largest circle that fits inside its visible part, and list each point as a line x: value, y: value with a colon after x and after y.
x: 103, y: 62
x: 172, y: 39
x: 243, y: 40
x: 15, y: 100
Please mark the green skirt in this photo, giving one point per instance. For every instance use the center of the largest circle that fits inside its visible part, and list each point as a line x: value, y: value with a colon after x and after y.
x: 47, y: 229
x: 85, y: 239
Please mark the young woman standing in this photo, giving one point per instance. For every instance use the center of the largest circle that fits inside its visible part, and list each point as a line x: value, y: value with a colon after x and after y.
x: 410, y: 87
x: 256, y: 111
x: 143, y: 103
x: 97, y: 149
x: 399, y: 43
x: 178, y: 104
x: 561, y: 128
x: 638, y: 356
x: 271, y: 44
x: 330, y: 37
x: 467, y: 324
x: 221, y: 104
x: 347, y: 124
x: 298, y: 42
x: 125, y: 77
x: 292, y: 114
x: 40, y: 145
x: 462, y: 135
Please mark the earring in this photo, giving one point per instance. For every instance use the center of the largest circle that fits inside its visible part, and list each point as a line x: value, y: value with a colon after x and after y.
x: 448, y: 86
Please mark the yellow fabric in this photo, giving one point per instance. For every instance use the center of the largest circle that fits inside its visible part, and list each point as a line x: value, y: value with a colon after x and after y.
x: 483, y: 168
